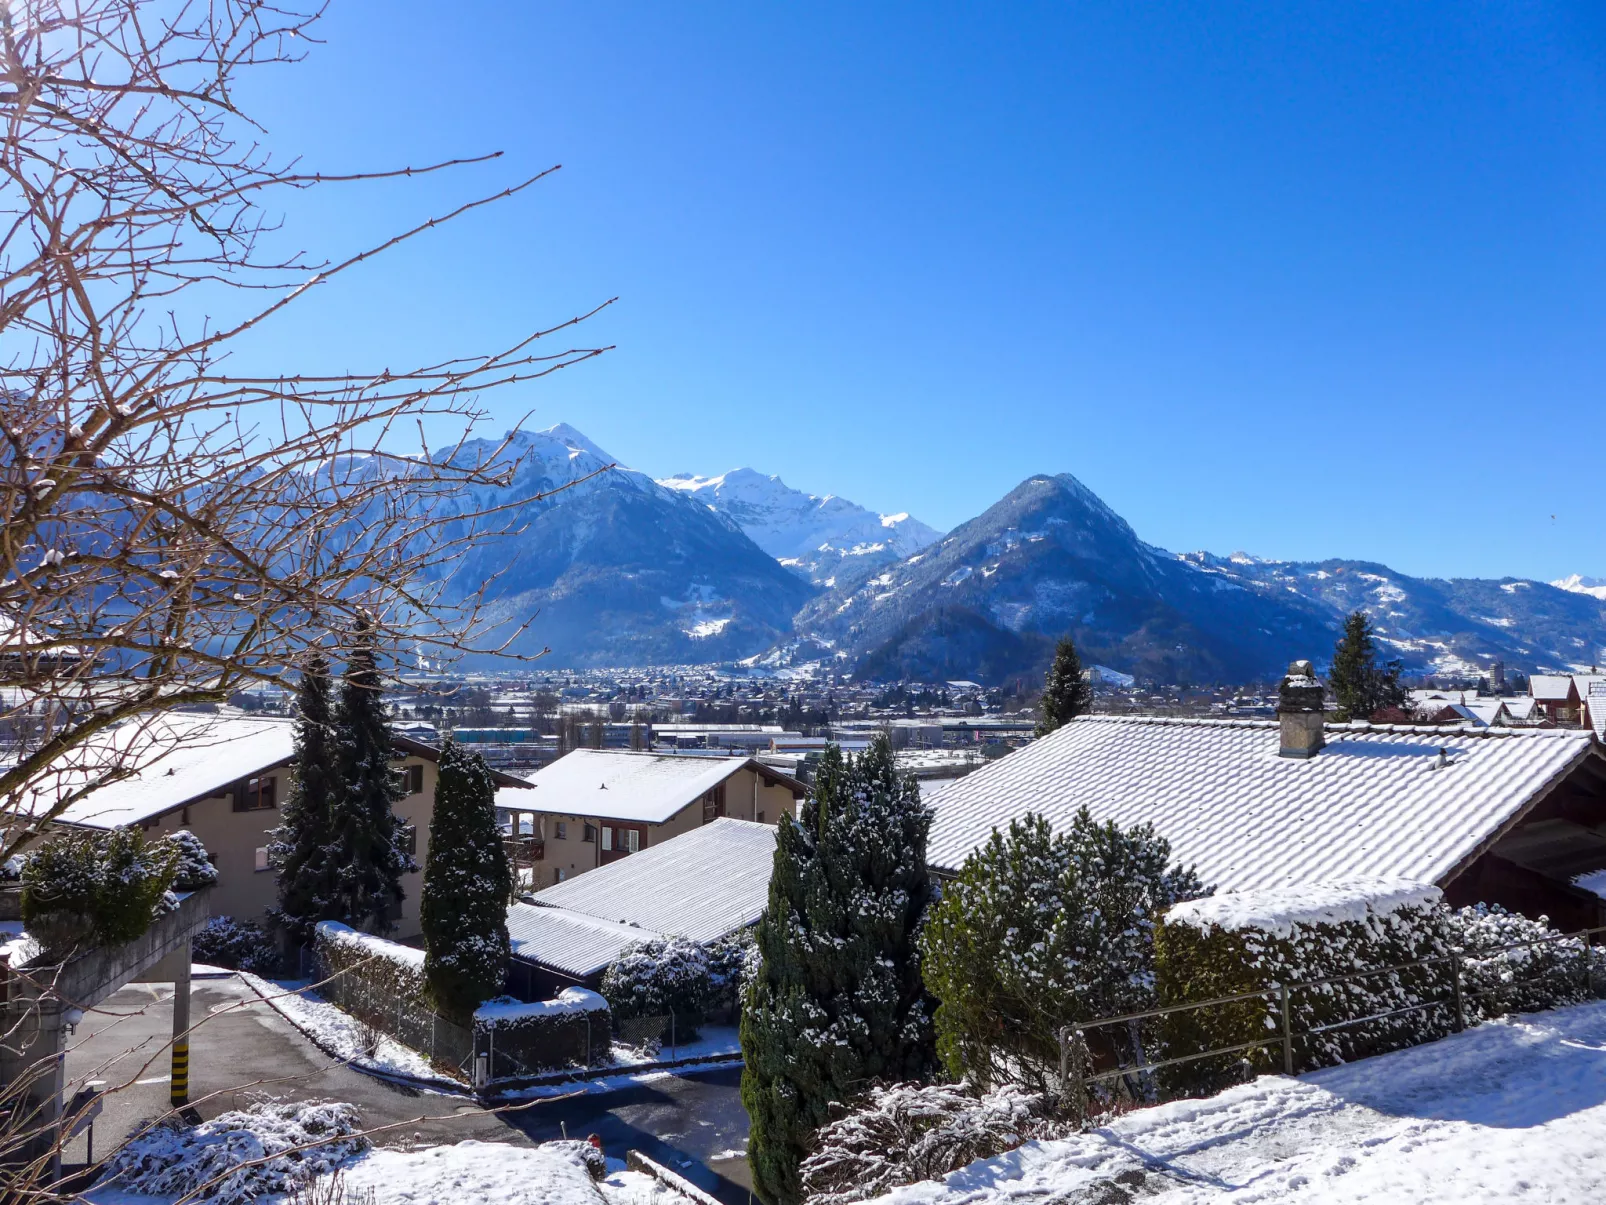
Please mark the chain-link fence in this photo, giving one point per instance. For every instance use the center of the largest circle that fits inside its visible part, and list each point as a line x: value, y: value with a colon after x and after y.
x: 663, y: 1035
x: 449, y: 1047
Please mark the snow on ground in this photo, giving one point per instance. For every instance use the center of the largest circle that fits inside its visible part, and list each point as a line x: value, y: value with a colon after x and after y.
x: 341, y: 1034
x: 713, y: 1041
x: 1510, y: 1111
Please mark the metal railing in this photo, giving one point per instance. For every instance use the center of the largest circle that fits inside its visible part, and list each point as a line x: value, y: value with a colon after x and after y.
x: 1076, y: 1063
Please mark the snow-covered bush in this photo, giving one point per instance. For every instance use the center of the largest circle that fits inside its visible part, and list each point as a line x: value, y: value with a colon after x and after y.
x: 667, y: 975
x: 236, y: 944
x: 1545, y: 974
x: 368, y: 976
x: 95, y: 888
x: 904, y: 1133
x: 1249, y: 941
x: 730, y: 961
x: 572, y: 1030
x: 1041, y: 929
x: 240, y: 1156
x: 192, y: 866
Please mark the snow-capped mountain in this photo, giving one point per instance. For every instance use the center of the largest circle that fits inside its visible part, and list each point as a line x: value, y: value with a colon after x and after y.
x: 1595, y: 587
x: 619, y: 570
x: 820, y: 537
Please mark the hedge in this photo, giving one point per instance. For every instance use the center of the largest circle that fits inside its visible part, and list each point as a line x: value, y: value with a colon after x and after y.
x: 1243, y: 942
x: 574, y: 1030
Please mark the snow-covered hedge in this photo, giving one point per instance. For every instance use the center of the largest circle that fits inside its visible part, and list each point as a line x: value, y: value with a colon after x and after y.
x: 238, y: 1157
x: 573, y: 1030
x: 93, y: 888
x: 192, y: 865
x: 235, y: 944
x: 659, y: 977
x: 1228, y: 944
x: 904, y: 1133
x: 730, y: 962
x: 1545, y: 974
x: 367, y: 975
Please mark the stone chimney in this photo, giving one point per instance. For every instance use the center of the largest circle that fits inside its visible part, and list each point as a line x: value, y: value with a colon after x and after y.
x: 1300, y: 712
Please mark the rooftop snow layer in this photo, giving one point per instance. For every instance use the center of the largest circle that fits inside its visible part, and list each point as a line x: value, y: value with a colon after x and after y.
x: 570, y: 942
x: 170, y: 761
x: 702, y: 884
x: 1373, y: 804
x: 569, y: 1000
x: 617, y: 785
x: 1277, y: 910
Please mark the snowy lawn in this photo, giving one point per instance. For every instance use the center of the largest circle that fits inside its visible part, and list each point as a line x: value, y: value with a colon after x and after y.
x: 713, y: 1041
x: 341, y: 1034
x: 1510, y: 1111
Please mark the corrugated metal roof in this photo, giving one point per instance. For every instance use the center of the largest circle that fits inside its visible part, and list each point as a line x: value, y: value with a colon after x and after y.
x: 1373, y: 803
x: 571, y: 942
x: 702, y: 884
x: 618, y: 785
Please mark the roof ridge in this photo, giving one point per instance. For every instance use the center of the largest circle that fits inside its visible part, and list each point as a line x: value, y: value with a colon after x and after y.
x: 1339, y: 726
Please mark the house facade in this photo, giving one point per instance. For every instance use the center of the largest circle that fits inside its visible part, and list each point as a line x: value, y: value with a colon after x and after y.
x: 226, y: 780
x: 593, y: 807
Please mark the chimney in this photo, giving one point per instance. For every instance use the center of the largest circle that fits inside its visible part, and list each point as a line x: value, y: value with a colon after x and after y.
x: 1299, y: 712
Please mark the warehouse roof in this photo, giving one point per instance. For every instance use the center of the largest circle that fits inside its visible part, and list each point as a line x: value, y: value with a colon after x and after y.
x: 613, y: 784
x: 1378, y: 801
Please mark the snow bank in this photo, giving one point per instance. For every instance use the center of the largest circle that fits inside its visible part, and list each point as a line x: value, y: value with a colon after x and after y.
x: 338, y: 934
x: 1276, y: 910
x: 475, y: 1173
x: 510, y: 1012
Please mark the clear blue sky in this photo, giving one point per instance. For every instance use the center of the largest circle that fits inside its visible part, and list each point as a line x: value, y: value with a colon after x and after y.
x: 1306, y: 279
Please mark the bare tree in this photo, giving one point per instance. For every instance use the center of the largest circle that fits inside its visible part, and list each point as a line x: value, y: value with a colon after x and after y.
x: 172, y: 531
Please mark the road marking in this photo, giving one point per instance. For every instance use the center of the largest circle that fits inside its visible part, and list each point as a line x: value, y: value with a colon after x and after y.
x: 159, y: 1079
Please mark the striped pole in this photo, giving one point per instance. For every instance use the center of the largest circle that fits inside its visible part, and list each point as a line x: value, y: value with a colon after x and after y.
x: 179, y: 1094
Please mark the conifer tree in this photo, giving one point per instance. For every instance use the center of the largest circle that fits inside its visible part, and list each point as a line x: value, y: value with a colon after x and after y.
x: 838, y: 1000
x: 302, y: 848
x: 467, y: 884
x: 367, y: 833
x: 1359, y: 683
x: 1066, y: 693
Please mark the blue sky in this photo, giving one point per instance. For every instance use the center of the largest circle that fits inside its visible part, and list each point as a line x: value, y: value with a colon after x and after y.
x: 1303, y: 279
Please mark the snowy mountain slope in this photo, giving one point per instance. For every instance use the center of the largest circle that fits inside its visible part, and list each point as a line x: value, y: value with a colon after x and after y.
x: 619, y: 570
x: 1575, y: 583
x: 1455, y: 625
x: 1511, y: 1110
x: 989, y: 599
x: 812, y: 534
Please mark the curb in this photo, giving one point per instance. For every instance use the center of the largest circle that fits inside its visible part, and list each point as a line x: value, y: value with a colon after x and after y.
x: 637, y: 1162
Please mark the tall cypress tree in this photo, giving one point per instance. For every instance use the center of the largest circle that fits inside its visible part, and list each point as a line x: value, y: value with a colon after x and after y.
x: 1360, y: 685
x: 367, y: 832
x: 1066, y: 693
x: 301, y: 847
x: 838, y: 1001
x: 467, y: 884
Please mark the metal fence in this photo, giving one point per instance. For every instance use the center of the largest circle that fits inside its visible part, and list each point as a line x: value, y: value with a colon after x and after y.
x: 1078, y: 1073
x: 663, y: 1035
x: 449, y: 1047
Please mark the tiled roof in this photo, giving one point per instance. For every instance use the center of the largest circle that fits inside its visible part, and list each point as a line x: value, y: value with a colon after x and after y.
x: 702, y: 884
x: 1373, y: 803
x: 571, y: 942
x: 617, y: 785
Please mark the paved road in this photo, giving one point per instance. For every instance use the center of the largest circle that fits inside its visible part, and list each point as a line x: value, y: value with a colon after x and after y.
x: 243, y: 1050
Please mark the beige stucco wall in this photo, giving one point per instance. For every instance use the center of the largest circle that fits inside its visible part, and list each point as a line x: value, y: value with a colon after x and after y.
x: 232, y: 838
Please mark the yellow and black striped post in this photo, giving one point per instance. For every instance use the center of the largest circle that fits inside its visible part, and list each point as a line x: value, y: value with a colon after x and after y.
x: 179, y: 1094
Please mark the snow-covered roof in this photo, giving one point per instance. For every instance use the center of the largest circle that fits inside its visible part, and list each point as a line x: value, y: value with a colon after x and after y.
x: 171, y: 761
x: 615, y: 784
x: 702, y: 884
x: 1555, y: 688
x: 1374, y: 803
x: 570, y: 942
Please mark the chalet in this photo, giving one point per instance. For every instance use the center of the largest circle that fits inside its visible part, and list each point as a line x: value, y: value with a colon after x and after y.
x: 1513, y: 816
x: 224, y: 778
x: 1556, y: 695
x: 704, y: 884
x: 592, y: 807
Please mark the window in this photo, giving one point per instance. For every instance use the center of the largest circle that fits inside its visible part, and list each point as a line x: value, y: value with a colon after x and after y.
x: 254, y: 794
x: 607, y: 838
x: 409, y: 839
x: 632, y: 840
x: 563, y: 831
x: 562, y: 874
x: 591, y: 832
x: 262, y: 858
x: 761, y: 817
x: 411, y: 779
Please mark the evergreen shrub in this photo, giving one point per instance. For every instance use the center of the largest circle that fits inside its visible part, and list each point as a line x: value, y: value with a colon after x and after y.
x: 668, y: 975
x: 1250, y: 941
x: 236, y: 944
x: 572, y: 1030
x: 1551, y: 972
x: 731, y: 960
x: 192, y: 866
x: 95, y: 889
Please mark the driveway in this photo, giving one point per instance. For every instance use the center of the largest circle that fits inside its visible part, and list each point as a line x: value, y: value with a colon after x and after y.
x: 242, y: 1050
